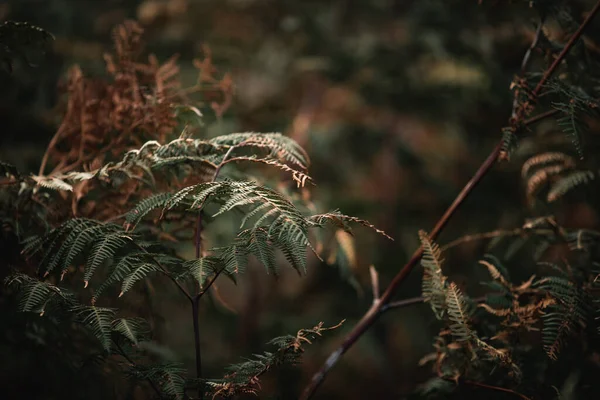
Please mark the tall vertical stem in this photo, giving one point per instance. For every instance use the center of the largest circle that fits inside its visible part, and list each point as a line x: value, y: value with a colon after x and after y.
x: 195, y: 318
x: 196, y: 299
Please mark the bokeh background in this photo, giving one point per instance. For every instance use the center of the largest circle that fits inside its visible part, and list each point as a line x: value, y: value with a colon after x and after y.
x: 397, y: 103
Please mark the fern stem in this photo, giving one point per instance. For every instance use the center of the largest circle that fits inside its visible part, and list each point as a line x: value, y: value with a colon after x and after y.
x: 497, y: 388
x: 196, y: 299
x: 539, y: 117
x: 417, y: 300
x: 130, y: 361
x: 166, y: 272
x: 565, y: 50
x: 199, y: 234
x: 198, y: 353
x: 375, y: 310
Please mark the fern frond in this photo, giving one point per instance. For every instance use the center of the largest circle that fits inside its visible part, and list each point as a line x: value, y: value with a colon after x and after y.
x: 567, y: 312
x: 497, y: 270
x: 458, y: 314
x: 98, y: 320
x: 279, y: 146
x: 541, y: 160
x: 36, y: 296
x: 202, y: 268
x: 52, y: 183
x: 104, y: 249
x: 134, y: 329
x: 258, y: 243
x: 340, y: 220
x: 169, y: 376
x: 509, y: 144
x: 145, y: 206
x: 138, y: 273
x: 568, y: 183
x: 243, y: 378
x: 583, y: 239
x: 542, y: 176
x: 571, y: 123
x: 298, y: 176
x: 119, y: 271
x: 434, y: 281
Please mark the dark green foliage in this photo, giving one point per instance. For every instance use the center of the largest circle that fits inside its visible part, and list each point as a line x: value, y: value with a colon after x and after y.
x: 243, y: 378
x: 20, y: 40
x: 169, y: 377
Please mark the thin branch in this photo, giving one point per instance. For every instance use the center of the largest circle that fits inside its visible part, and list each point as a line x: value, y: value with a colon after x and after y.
x: 539, y: 117
x: 375, y: 310
x: 566, y: 50
x: 417, y: 300
x: 495, y: 234
x: 166, y: 272
x: 497, y: 388
x: 197, y: 349
x: 130, y: 361
x: 210, y: 284
x: 402, y: 303
x: 525, y: 62
x: 196, y: 299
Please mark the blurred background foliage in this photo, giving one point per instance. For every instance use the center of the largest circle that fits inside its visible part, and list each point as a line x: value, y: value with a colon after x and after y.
x: 397, y: 103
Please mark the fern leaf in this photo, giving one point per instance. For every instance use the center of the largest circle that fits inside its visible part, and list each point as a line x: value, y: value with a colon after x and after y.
x: 568, y: 183
x: 566, y: 313
x: 134, y: 329
x: 509, y: 144
x: 434, y: 282
x: 298, y: 176
x: 541, y: 160
x: 170, y: 378
x: 542, y: 176
x: 458, y: 314
x: 571, y: 124
x: 145, y: 206
x: 341, y: 221
x: 202, y: 268
x: 104, y: 249
x: 52, y: 183
x: 119, y: 271
x: 35, y: 295
x: 496, y: 270
x: 98, y: 320
x: 138, y: 273
x: 279, y: 146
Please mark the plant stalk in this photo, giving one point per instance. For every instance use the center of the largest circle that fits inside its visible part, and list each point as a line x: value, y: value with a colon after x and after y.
x: 196, y: 299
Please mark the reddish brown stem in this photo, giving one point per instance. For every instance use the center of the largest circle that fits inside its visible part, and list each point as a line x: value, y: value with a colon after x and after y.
x: 565, y: 50
x: 539, y: 117
x: 373, y: 313
x: 497, y: 388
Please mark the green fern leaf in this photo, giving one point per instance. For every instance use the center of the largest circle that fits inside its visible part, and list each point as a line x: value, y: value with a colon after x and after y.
x: 145, y: 206
x: 568, y: 183
x: 434, y: 281
x: 104, y: 249
x: 98, y: 320
x: 341, y: 221
x: 458, y: 314
x: 134, y: 329
x: 35, y: 295
x: 138, y: 273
